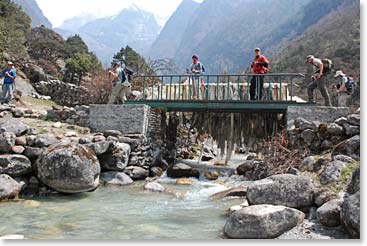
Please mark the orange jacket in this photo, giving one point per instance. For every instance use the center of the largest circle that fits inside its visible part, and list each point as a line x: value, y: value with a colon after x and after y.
x: 260, y: 65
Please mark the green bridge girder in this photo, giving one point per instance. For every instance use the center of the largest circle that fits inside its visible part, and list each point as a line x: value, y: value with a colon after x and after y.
x: 221, y: 106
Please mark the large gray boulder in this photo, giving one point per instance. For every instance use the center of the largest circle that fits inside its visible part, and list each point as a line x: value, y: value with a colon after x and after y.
x: 69, y: 168
x: 283, y: 189
x: 15, y: 126
x: 332, y: 172
x: 115, y: 178
x: 7, y: 141
x: 262, y: 222
x: 349, y: 147
x: 9, y: 188
x: 181, y: 170
x: 118, y: 159
x: 350, y: 215
x: 15, y: 165
x: 329, y: 213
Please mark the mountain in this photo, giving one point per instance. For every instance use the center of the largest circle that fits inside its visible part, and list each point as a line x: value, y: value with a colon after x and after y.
x: 32, y: 9
x: 106, y: 36
x: 335, y: 35
x: 168, y: 41
x: 77, y: 22
x: 224, y: 33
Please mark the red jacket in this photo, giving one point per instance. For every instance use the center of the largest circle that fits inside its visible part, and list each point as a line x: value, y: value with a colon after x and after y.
x: 259, y: 64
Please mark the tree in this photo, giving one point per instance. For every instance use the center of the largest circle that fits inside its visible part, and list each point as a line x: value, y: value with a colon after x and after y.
x: 75, y: 44
x: 79, y: 65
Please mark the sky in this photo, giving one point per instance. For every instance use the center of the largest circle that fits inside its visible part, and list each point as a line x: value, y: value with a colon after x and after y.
x: 59, y: 10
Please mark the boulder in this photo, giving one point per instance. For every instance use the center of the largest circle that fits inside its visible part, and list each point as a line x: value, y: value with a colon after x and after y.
x: 45, y: 140
x: 245, y: 167
x: 329, y: 213
x: 262, y: 222
x: 184, y: 181
x: 136, y: 173
x: 326, y: 145
x: 308, y: 136
x: 17, y: 149
x: 115, y: 178
x: 7, y: 141
x: 349, y: 147
x: 351, y: 130
x: 118, y: 159
x: 17, y: 113
x: 21, y: 141
x: 354, y: 119
x: 32, y: 153
x: 303, y: 124
x: 69, y: 168
x: 343, y: 158
x: 341, y: 121
x: 154, y: 186
x: 112, y: 133
x: 100, y: 147
x: 323, y: 196
x: 85, y: 140
x: 354, y: 184
x: 15, y: 126
x: 155, y: 172
x: 98, y: 138
x: 158, y: 160
x: 332, y: 172
x: 212, y: 175
x: 335, y: 129
x: 350, y: 215
x: 9, y: 188
x: 15, y: 165
x: 283, y: 189
x: 240, y: 191
x: 181, y: 170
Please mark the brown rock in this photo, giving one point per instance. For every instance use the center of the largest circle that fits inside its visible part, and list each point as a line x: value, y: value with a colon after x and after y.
x: 17, y: 149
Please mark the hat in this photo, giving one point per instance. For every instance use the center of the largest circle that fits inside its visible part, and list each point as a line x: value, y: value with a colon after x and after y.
x: 310, y: 57
x: 257, y: 49
x: 195, y: 56
x: 10, y: 63
x: 339, y: 73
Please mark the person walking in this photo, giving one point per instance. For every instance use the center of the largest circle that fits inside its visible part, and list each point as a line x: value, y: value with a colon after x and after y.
x: 344, y: 88
x: 9, y: 75
x: 121, y: 85
x: 320, y: 78
x: 260, y: 66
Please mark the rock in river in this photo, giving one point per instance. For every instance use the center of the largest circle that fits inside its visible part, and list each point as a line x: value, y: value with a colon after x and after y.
x: 69, y: 168
x: 9, y: 188
x: 283, y: 189
x: 262, y: 221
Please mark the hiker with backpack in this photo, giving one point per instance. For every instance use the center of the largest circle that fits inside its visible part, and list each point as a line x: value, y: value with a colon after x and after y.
x: 319, y: 79
x: 121, y: 85
x: 197, y: 69
x: 344, y: 88
x: 260, y: 65
x: 9, y: 75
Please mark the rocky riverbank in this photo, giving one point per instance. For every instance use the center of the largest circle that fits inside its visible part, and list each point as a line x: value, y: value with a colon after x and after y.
x: 316, y: 197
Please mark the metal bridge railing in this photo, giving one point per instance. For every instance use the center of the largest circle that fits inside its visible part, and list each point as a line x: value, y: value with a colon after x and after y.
x: 276, y: 87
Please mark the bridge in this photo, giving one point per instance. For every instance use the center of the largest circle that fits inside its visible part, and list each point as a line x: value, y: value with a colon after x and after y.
x: 218, y: 93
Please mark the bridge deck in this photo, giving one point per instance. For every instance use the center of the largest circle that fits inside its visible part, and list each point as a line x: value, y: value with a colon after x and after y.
x: 221, y: 106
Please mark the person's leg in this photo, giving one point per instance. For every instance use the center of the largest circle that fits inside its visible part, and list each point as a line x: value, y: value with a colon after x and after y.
x: 11, y: 93
x: 3, y: 93
x: 253, y: 88
x: 115, y: 92
x: 261, y: 88
x: 310, y: 89
x: 322, y: 87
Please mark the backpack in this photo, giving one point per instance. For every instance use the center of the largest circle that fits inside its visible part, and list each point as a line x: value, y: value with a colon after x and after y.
x: 328, y: 65
x: 202, y: 67
x: 350, y: 85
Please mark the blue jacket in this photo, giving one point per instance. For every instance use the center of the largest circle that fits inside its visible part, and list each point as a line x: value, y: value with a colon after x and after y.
x: 8, y: 80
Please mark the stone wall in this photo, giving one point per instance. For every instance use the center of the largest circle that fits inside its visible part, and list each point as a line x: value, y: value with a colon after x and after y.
x: 128, y: 119
x: 63, y: 93
x: 320, y: 114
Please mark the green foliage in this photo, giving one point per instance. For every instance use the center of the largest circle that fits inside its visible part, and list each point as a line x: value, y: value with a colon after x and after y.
x: 80, y: 64
x: 14, y: 25
x: 75, y: 44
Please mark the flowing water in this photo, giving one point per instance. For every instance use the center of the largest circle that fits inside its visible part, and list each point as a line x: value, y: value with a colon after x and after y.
x: 127, y: 212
